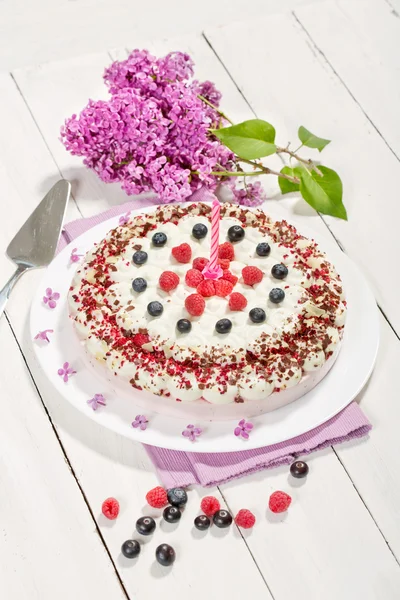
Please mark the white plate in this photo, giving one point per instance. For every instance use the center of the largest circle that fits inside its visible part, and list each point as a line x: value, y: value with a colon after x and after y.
x: 346, y: 379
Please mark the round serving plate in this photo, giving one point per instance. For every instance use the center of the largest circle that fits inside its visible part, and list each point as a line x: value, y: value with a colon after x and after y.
x: 337, y: 389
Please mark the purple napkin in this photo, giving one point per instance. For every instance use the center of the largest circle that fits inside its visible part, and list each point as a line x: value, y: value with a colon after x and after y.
x: 177, y: 468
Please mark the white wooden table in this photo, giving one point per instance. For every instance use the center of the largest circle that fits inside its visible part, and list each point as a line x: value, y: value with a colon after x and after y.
x: 333, y: 67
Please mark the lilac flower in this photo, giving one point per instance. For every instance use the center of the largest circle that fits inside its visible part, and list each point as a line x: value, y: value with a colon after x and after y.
x: 123, y: 220
x: 140, y: 422
x: 191, y: 432
x: 42, y: 335
x: 252, y: 194
x: 75, y: 257
x: 96, y: 401
x: 243, y: 429
x: 51, y: 298
x: 66, y: 371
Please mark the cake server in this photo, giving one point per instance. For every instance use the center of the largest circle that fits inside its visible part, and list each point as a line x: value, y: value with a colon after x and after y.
x: 35, y: 244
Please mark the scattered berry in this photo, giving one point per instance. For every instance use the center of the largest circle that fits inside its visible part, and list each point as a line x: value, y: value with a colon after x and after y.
x: 182, y: 253
x: 200, y: 263
x: 184, y: 325
x: 223, y: 288
x: 199, y: 231
x: 139, y: 285
x: 299, y: 469
x: 235, y: 233
x: 228, y: 276
x: 276, y: 295
x: 237, y: 301
x: 140, y: 257
x: 177, y: 496
x: 206, y: 288
x: 110, y: 508
x: 279, y: 502
x: 168, y: 281
x: 222, y: 519
x: 159, y: 239
x: 155, y: 309
x: 140, y: 338
x: 130, y: 548
x: 157, y: 497
x: 224, y: 263
x: 263, y: 249
x: 252, y: 275
x: 145, y: 525
x: 226, y: 250
x: 223, y: 325
x: 165, y: 555
x: 193, y: 277
x: 172, y: 514
x: 202, y: 522
x: 245, y: 519
x: 257, y: 315
x: 279, y: 271
x: 195, y: 305
x: 209, y: 505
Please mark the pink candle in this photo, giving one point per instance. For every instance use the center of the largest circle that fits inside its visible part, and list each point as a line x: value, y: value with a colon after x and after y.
x: 212, y: 269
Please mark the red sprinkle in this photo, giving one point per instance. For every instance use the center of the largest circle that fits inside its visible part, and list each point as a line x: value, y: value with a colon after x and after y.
x: 245, y: 519
x: 279, y: 502
x: 209, y: 505
x: 157, y: 497
x: 140, y: 338
x: 110, y: 508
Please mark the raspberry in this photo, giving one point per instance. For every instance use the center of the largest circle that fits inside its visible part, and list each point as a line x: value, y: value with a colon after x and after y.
x: 110, y: 508
x: 223, y: 288
x: 140, y: 338
x: 195, y: 305
x: 245, y: 519
x: 157, y: 497
x: 182, y: 253
x: 193, y: 277
x: 199, y: 263
x: 209, y: 505
x: 252, y: 275
x: 228, y: 276
x: 237, y: 301
x: 168, y: 281
x: 226, y: 251
x: 206, y: 288
x: 279, y: 502
x: 224, y: 263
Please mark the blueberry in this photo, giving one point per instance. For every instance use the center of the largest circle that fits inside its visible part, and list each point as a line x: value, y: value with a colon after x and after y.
x: 202, y: 522
x: 279, y: 271
x: 140, y: 257
x: 199, y: 231
x: 172, y: 514
x: 165, y: 555
x: 299, y: 469
x: 257, y: 315
x: 155, y: 309
x: 222, y: 518
x: 130, y: 548
x: 183, y: 325
x: 276, y: 295
x: 177, y: 496
x: 223, y: 326
x: 235, y: 233
x: 139, y: 284
x: 159, y: 239
x: 263, y: 249
x: 145, y: 525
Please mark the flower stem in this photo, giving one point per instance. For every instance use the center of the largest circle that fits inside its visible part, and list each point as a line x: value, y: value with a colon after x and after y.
x: 215, y: 108
x: 305, y: 161
x: 232, y: 173
x: 268, y: 171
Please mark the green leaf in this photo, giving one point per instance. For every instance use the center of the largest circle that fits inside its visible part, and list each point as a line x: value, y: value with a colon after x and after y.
x: 310, y: 140
x: 323, y: 192
x: 286, y: 185
x: 250, y: 139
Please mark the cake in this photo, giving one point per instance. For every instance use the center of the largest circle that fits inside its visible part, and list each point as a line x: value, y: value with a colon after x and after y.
x: 142, y: 307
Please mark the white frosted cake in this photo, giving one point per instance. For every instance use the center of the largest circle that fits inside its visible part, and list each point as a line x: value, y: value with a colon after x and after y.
x: 274, y: 320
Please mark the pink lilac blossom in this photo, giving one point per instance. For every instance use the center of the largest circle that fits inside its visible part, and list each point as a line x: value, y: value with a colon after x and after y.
x: 243, y: 429
x: 140, y: 422
x: 96, y: 401
x: 123, y: 220
x: 252, y: 194
x: 42, y: 335
x: 74, y: 257
x: 51, y: 298
x: 66, y: 372
x: 191, y: 432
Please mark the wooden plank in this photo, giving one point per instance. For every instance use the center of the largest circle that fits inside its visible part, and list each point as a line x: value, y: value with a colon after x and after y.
x: 368, y: 33
x: 48, y: 546
x: 288, y: 96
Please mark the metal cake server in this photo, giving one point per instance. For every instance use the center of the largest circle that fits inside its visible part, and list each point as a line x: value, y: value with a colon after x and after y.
x: 36, y: 242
